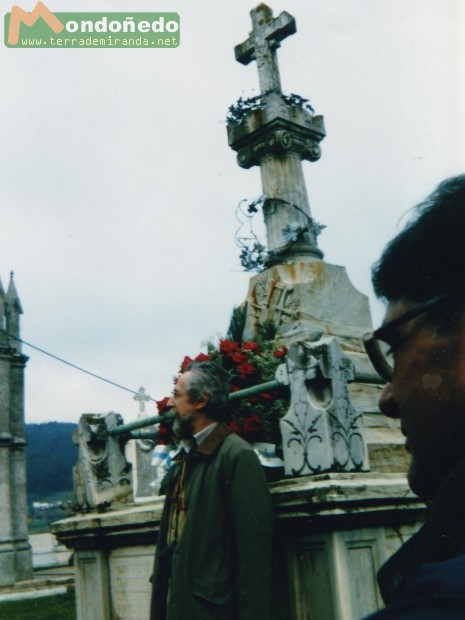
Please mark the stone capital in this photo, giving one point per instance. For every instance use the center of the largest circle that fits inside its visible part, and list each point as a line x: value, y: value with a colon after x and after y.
x: 257, y: 138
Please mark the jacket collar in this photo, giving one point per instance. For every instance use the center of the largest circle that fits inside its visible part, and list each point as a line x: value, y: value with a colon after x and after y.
x: 442, y: 537
x: 214, y: 439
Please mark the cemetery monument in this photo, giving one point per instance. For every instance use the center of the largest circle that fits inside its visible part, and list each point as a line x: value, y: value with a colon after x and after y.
x: 344, y: 505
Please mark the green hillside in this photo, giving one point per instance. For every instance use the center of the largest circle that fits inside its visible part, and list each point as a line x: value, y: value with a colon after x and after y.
x: 50, y: 457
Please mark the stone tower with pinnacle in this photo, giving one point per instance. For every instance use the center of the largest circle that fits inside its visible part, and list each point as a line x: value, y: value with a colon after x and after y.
x: 15, y: 552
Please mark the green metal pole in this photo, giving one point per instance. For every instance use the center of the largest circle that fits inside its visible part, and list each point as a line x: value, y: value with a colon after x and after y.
x: 130, y: 426
x: 143, y: 435
x: 255, y: 389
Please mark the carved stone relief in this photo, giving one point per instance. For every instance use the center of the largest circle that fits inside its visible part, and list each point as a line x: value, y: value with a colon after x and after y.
x: 322, y: 431
x: 102, y: 475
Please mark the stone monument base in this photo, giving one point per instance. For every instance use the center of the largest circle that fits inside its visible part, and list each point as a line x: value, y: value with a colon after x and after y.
x: 333, y: 533
x: 305, y: 300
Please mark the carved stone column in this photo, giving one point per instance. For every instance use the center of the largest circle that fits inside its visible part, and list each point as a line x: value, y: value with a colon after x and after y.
x: 277, y: 137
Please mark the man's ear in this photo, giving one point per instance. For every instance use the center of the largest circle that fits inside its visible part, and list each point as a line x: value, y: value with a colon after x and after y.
x: 202, y: 402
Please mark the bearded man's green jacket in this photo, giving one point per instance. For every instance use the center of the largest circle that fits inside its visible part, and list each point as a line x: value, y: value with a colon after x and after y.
x: 220, y: 566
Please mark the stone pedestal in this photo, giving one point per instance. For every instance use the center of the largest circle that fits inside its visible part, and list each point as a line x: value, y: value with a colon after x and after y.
x: 113, y: 560
x: 307, y: 300
x: 333, y: 532
x: 46, y: 552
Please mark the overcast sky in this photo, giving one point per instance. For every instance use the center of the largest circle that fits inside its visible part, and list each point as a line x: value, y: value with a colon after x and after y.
x: 118, y: 189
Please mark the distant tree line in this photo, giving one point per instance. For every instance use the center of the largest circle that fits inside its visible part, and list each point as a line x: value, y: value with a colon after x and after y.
x: 50, y: 457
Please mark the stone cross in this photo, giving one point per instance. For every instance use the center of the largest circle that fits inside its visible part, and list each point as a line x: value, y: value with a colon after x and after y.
x: 266, y: 36
x: 141, y: 397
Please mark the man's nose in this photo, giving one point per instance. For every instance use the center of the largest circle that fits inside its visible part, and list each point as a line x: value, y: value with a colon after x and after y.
x: 170, y: 403
x: 387, y: 403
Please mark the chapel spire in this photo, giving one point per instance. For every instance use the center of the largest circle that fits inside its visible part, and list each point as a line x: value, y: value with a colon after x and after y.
x: 2, y: 306
x: 13, y: 312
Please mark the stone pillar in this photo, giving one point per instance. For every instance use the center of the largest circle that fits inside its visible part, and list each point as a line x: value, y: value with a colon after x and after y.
x: 277, y: 138
x: 92, y: 585
x: 19, y: 510
x: 290, y: 191
x: 7, y: 556
x: 15, y: 551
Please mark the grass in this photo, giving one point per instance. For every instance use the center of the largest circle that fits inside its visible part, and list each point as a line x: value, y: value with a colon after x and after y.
x: 60, y: 607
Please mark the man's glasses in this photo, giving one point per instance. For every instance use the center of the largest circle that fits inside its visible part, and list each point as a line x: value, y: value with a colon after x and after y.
x: 377, y: 343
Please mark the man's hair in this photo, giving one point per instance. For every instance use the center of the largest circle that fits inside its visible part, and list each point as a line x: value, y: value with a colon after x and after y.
x: 428, y: 257
x: 207, y: 378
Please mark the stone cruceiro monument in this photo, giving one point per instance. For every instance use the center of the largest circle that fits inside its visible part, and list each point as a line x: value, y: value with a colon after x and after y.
x: 344, y: 505
x: 305, y: 297
x: 15, y: 550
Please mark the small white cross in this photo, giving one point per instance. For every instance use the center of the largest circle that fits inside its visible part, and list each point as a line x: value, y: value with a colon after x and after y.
x: 141, y: 397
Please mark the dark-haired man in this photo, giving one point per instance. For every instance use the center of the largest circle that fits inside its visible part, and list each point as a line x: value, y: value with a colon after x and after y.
x: 421, y: 275
x: 213, y: 555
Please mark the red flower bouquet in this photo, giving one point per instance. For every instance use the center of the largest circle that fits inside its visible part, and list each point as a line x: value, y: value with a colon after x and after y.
x: 255, y: 418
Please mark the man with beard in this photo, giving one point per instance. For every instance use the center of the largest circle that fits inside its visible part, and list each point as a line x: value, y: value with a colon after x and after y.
x: 421, y: 275
x: 213, y: 554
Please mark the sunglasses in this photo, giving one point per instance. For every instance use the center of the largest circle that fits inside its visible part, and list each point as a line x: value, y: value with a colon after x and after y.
x: 377, y: 343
